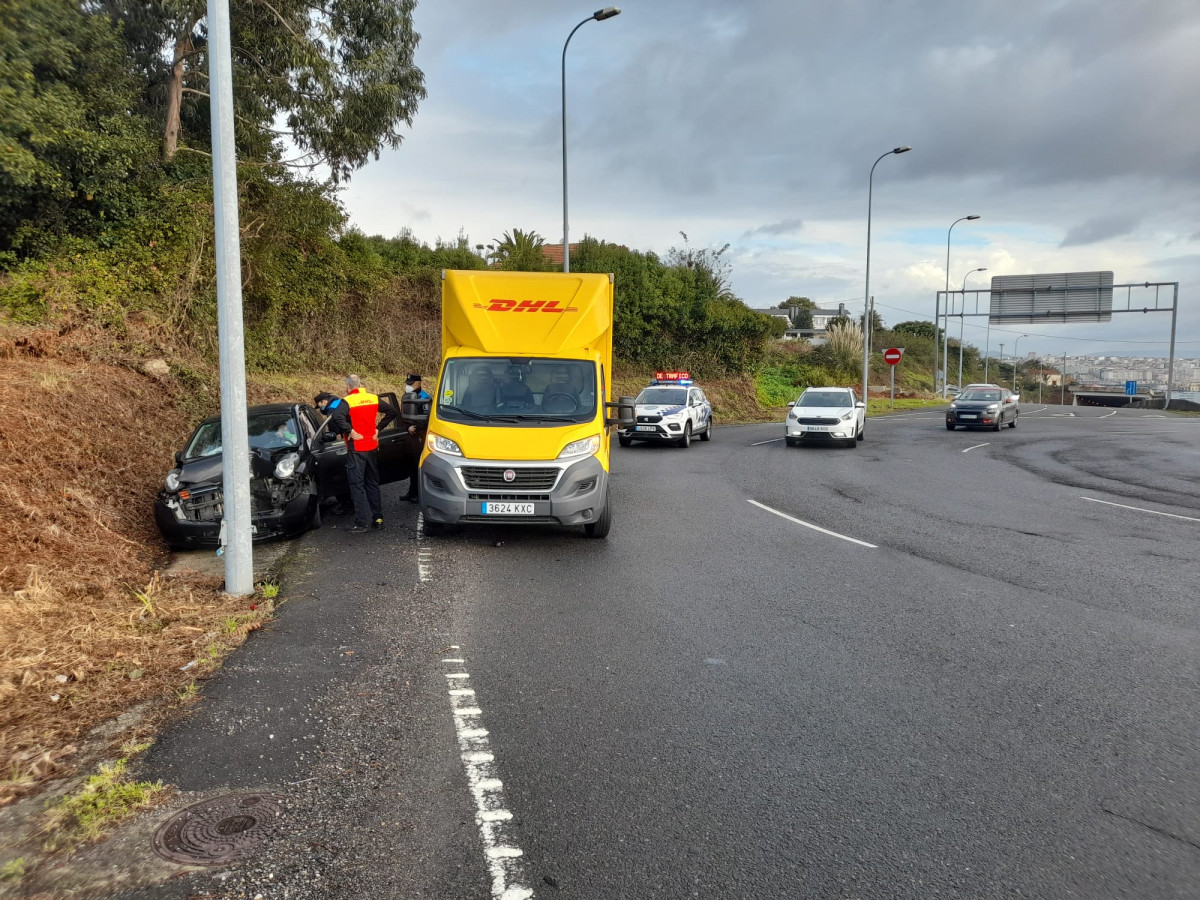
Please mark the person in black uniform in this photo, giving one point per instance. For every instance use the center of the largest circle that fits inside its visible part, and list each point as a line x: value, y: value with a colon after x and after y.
x: 415, y: 442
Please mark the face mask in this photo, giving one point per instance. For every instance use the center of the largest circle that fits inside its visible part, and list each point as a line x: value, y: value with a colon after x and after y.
x: 408, y: 389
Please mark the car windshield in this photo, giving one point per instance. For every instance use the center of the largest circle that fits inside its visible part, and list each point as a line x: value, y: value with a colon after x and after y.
x: 827, y: 399
x: 989, y: 396
x: 662, y: 396
x: 270, y: 431
x: 517, y: 390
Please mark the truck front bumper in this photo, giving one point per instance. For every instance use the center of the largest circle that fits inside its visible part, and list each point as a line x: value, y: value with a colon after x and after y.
x: 455, y: 490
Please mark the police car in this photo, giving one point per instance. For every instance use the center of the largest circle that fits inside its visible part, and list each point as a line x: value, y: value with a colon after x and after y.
x: 673, y: 410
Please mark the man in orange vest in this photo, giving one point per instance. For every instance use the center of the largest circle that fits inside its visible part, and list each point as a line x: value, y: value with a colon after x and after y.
x: 356, y: 418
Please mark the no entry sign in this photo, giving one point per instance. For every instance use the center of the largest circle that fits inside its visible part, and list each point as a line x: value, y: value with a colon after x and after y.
x: 892, y: 355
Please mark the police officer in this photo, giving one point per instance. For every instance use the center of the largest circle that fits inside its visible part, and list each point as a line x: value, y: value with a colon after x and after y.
x: 415, y: 442
x: 356, y: 417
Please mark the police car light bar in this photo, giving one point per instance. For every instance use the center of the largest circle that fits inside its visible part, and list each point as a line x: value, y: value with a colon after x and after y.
x: 672, y: 378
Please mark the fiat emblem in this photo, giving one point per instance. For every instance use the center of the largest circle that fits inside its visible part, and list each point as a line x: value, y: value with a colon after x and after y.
x: 510, y: 475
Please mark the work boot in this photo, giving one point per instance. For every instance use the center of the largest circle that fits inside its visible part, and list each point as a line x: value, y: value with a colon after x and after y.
x: 359, y: 529
x: 378, y: 523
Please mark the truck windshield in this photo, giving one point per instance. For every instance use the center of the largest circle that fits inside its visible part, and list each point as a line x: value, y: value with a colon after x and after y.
x: 518, y: 391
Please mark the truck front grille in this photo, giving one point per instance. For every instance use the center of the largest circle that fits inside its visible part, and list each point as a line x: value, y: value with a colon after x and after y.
x: 490, y: 478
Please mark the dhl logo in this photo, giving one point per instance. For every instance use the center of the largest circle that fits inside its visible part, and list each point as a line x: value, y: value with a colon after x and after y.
x: 546, y: 306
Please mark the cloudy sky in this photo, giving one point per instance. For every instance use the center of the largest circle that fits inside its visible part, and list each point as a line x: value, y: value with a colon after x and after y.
x: 1072, y: 127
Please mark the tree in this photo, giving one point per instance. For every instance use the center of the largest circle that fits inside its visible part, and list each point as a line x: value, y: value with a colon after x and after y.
x: 339, y: 74
x: 712, y: 271
x: 799, y: 303
x: 521, y: 251
x: 876, y: 322
x: 918, y: 328
x: 68, y: 144
x: 838, y: 321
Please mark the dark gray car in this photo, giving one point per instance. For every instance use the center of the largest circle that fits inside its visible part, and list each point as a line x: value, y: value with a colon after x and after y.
x: 983, y: 407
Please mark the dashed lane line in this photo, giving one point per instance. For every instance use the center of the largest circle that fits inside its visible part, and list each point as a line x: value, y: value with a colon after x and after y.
x: 771, y: 441
x: 784, y: 515
x: 977, y: 446
x: 424, y: 554
x: 502, y: 855
x: 1153, y: 512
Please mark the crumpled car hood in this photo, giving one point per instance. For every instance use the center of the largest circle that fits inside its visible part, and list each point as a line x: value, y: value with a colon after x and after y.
x: 211, y: 469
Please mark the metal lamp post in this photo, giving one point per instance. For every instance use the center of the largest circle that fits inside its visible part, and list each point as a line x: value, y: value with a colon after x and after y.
x: 1016, y: 344
x: 960, y: 323
x: 1001, y: 357
x: 866, y: 372
x: 599, y: 15
x: 945, y: 334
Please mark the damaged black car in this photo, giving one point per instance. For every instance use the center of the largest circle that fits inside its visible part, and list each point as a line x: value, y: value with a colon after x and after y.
x: 295, y: 466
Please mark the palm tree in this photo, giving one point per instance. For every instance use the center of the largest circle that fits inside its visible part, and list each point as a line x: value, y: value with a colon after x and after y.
x: 520, y: 251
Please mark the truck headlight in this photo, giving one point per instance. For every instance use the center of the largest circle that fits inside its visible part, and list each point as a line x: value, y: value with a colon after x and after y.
x: 286, y: 467
x: 173, y: 480
x: 438, y: 444
x: 585, y: 447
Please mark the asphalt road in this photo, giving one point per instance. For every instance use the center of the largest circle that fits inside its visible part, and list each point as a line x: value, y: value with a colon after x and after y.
x: 958, y: 665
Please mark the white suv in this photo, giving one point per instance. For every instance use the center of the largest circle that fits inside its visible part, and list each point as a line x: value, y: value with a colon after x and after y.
x: 826, y: 414
x: 670, y: 413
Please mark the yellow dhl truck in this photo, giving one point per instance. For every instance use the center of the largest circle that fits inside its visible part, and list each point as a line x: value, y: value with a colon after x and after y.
x: 519, y: 427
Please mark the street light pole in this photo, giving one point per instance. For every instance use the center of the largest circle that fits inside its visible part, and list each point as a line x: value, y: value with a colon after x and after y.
x: 599, y: 15
x: 1016, y: 344
x: 1001, y: 359
x: 961, y: 318
x: 866, y: 370
x: 946, y: 333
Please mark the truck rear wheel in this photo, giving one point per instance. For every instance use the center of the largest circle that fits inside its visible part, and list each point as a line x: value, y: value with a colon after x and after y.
x: 600, y: 528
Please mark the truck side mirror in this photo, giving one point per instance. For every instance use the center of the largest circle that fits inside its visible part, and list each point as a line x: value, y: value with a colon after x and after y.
x: 626, y: 415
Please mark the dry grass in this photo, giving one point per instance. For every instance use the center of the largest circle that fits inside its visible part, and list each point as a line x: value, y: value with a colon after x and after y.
x: 87, y: 625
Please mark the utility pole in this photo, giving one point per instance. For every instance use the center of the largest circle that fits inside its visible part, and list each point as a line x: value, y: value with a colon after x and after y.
x: 1062, y: 384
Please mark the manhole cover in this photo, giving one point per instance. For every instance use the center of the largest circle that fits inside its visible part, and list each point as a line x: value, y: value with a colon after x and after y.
x: 215, y: 832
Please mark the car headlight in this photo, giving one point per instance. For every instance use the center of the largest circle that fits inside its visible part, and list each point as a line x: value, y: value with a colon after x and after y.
x: 847, y: 417
x: 585, y: 447
x: 993, y: 407
x: 954, y: 406
x: 286, y: 467
x: 173, y: 480
x: 438, y: 444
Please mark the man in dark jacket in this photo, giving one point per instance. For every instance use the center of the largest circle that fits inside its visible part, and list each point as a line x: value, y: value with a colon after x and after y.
x: 356, y: 418
x: 415, y: 442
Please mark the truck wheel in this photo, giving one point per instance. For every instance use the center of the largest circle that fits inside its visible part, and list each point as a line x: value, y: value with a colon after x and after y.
x: 686, y: 440
x: 624, y: 441
x: 949, y: 426
x: 434, y: 529
x: 707, y: 436
x: 600, y: 528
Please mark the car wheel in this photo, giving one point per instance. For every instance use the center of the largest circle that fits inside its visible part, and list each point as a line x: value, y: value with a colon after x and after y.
x: 707, y: 436
x: 791, y: 441
x: 1013, y: 423
x: 624, y: 441
x: 315, y: 522
x: 601, y: 527
x: 996, y: 427
x: 949, y: 426
x: 686, y: 440
x: 862, y: 433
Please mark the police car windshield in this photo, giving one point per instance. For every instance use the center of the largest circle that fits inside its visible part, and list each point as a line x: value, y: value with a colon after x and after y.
x: 826, y: 399
x: 517, y: 391
x: 267, y: 431
x: 662, y: 396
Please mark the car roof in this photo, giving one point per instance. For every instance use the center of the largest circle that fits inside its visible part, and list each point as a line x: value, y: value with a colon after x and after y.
x: 817, y: 390
x: 259, y: 410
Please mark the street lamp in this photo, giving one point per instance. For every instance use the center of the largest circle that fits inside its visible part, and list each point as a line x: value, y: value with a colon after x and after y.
x: 945, y: 334
x: 1016, y: 344
x: 961, y: 319
x: 599, y: 15
x: 867, y: 292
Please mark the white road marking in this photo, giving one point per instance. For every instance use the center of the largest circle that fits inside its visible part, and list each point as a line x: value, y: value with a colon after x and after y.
x: 784, y: 515
x: 454, y: 660
x: 492, y: 815
x: 1106, y: 415
x: 424, y: 554
x: 771, y: 441
x: 1153, y: 512
x: 977, y: 446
